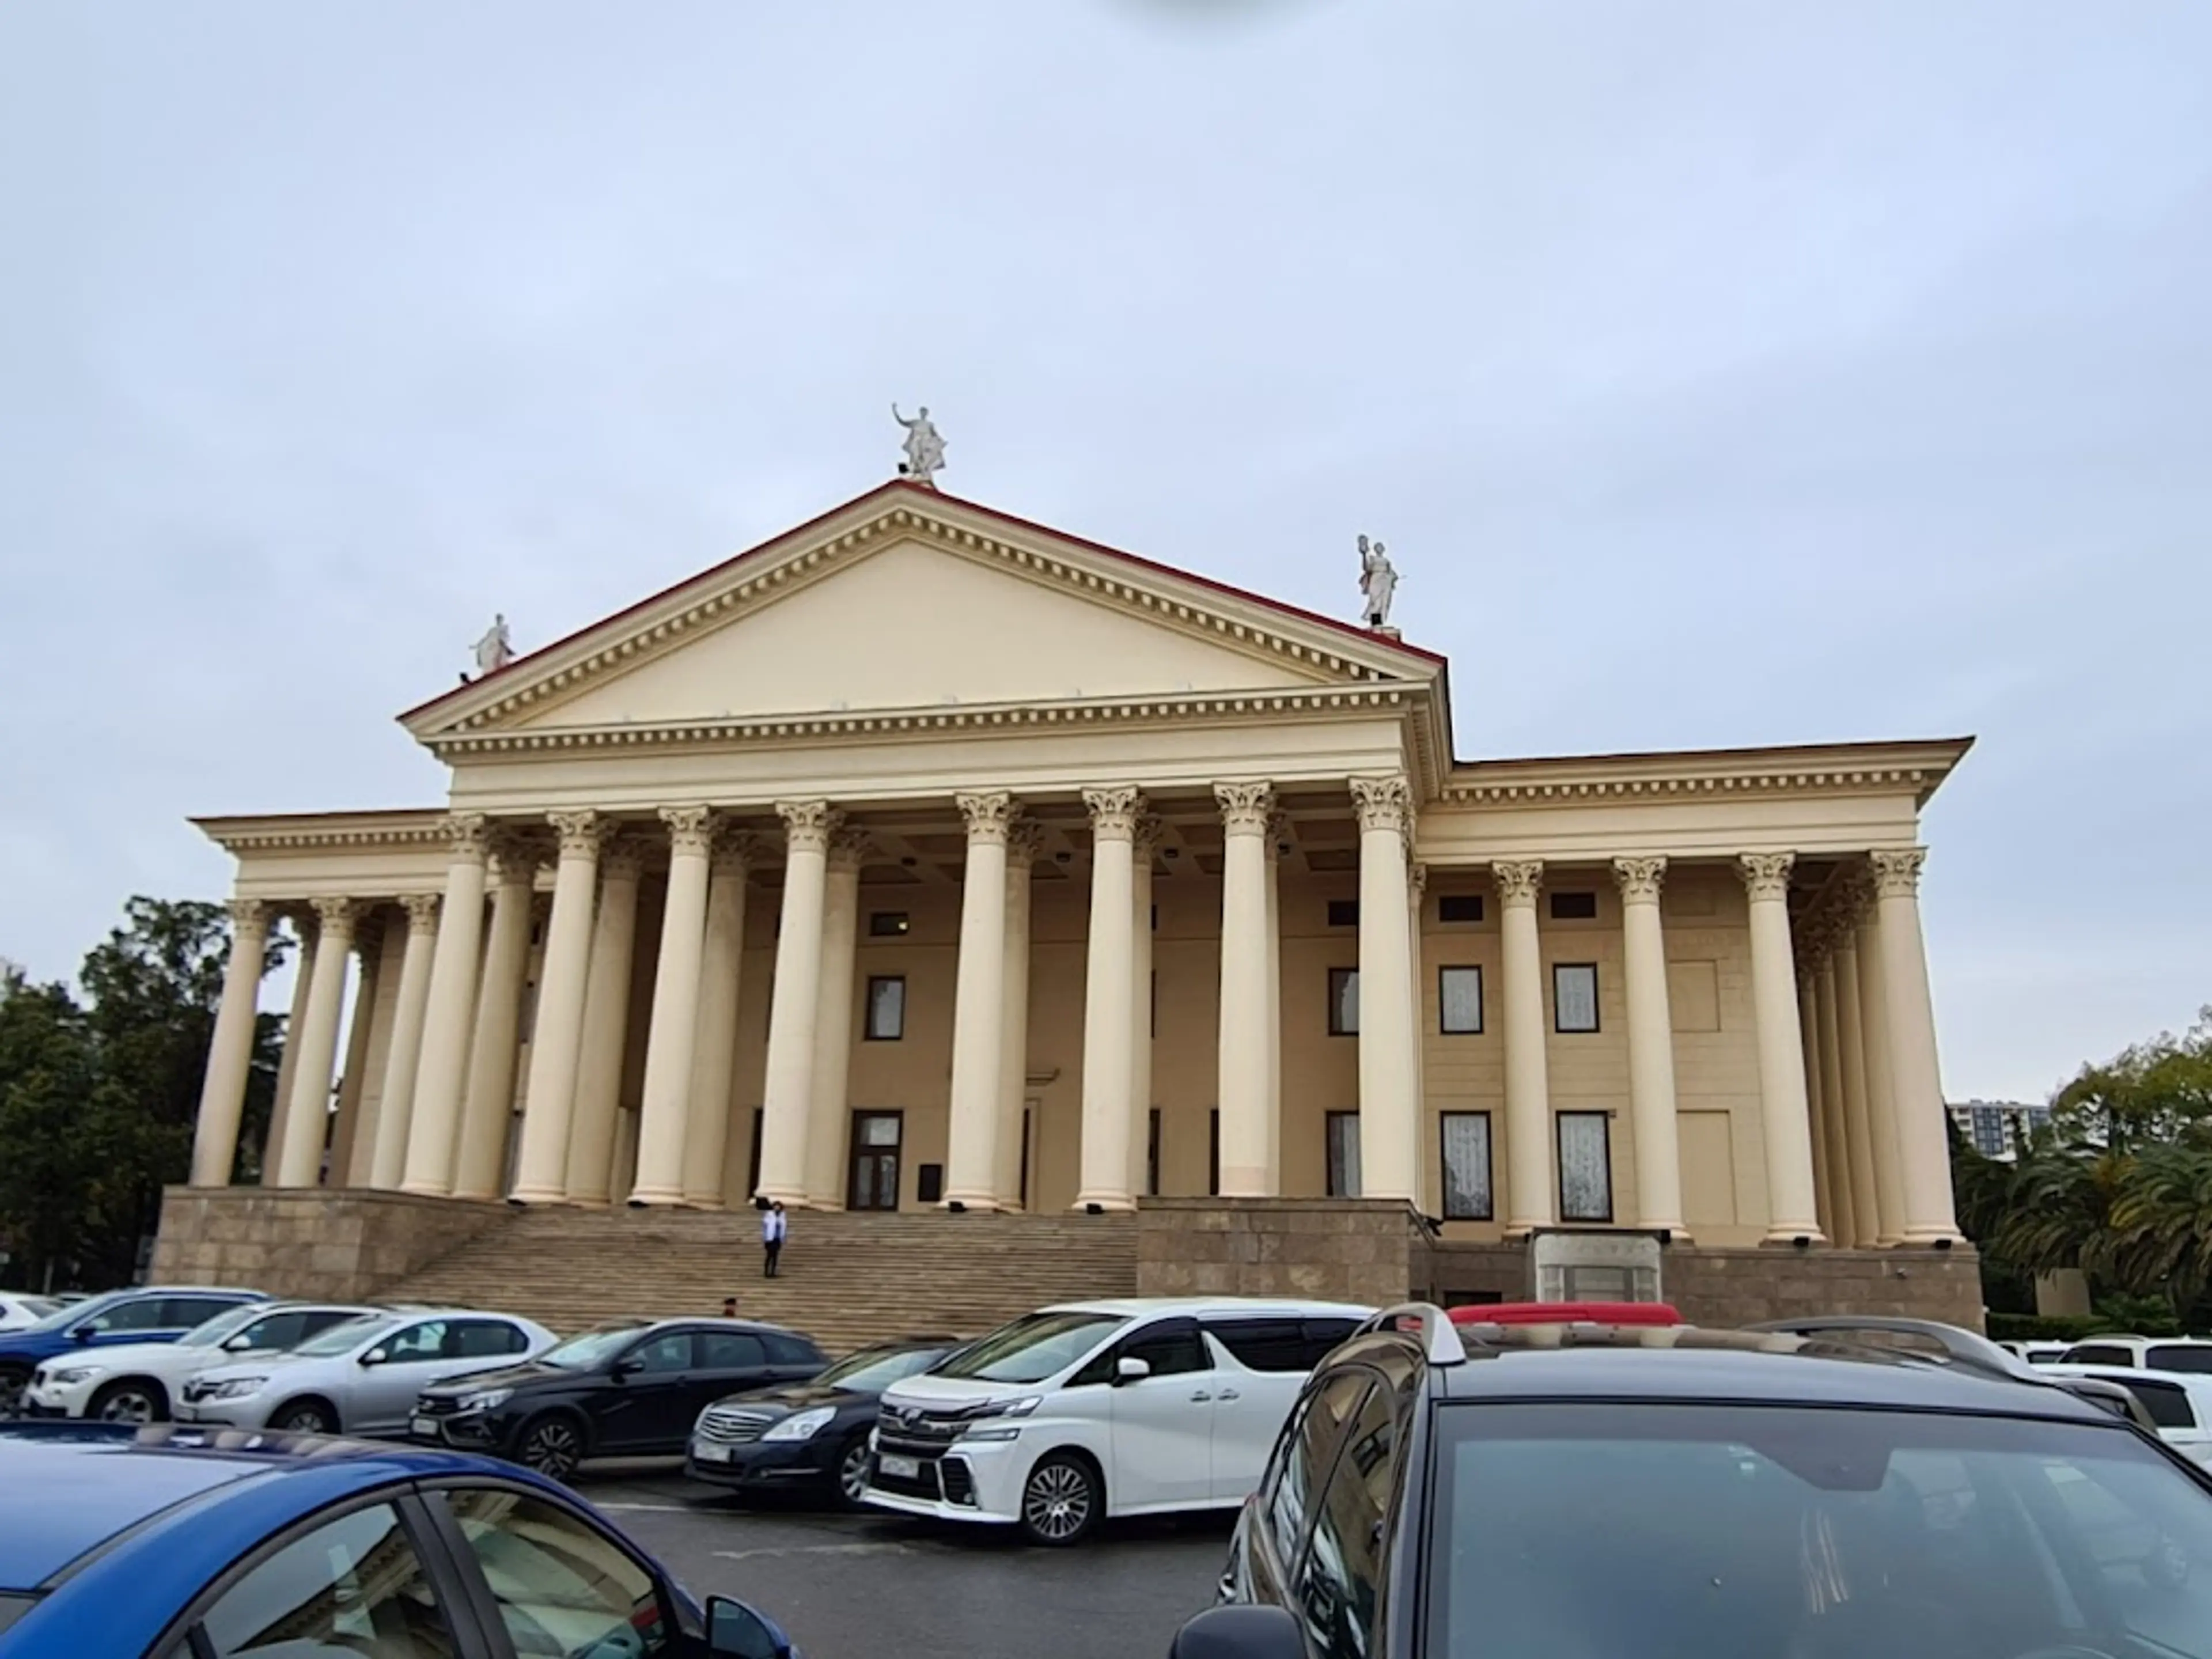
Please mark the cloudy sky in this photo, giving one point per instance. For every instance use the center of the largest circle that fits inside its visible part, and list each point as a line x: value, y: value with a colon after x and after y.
x: 1718, y: 374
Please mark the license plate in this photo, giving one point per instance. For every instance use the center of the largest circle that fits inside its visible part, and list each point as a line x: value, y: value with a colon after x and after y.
x: 900, y: 1468
x: 426, y: 1427
x: 706, y: 1452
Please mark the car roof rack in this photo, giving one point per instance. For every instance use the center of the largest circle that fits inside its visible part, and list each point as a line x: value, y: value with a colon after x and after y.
x: 1440, y: 1342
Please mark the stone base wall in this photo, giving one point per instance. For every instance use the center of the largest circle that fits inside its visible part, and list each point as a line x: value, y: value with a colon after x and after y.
x: 1742, y: 1287
x: 1340, y: 1249
x: 315, y: 1242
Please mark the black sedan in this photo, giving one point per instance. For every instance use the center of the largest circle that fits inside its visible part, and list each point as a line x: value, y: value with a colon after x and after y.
x: 624, y: 1390
x: 809, y: 1436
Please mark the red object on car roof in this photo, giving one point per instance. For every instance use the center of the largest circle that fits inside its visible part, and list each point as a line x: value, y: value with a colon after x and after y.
x: 1566, y: 1313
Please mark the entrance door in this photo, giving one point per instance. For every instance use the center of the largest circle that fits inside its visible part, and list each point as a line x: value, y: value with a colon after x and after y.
x: 1029, y: 1147
x: 875, y: 1174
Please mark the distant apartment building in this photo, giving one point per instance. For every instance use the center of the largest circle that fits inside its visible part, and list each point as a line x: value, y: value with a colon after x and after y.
x: 1998, y: 1129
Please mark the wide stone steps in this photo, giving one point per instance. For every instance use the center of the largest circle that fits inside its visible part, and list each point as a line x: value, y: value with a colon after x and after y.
x: 846, y: 1279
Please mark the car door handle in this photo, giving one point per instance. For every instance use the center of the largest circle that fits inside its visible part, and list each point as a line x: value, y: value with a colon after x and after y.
x: 1228, y: 1394
x: 1201, y: 1395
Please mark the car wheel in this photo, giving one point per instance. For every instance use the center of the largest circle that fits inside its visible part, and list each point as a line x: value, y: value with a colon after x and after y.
x: 132, y: 1400
x: 12, y: 1380
x: 553, y: 1446
x: 305, y: 1417
x: 1061, y: 1500
x: 853, y: 1466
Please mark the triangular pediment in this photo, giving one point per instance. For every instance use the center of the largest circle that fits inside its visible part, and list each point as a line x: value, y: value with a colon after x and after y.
x: 908, y: 600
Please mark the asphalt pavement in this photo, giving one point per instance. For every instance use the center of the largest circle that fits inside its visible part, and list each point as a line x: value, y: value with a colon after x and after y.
x: 876, y: 1587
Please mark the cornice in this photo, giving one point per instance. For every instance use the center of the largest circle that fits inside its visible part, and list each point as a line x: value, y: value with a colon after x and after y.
x: 1870, y: 769
x: 425, y: 827
x: 1229, y: 706
x: 724, y: 594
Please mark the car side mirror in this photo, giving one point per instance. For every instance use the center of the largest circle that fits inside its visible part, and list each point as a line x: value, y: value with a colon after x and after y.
x: 1128, y: 1369
x: 376, y: 1356
x: 83, y: 1333
x: 735, y: 1631
x: 238, y: 1344
x: 630, y: 1367
x: 1239, y: 1633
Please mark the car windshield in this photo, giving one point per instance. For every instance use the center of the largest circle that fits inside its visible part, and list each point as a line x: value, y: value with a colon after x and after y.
x: 589, y: 1349
x: 1031, y: 1349
x: 1681, y: 1532
x: 69, y: 1313
x: 345, y: 1339
x: 225, y: 1325
x: 873, y: 1369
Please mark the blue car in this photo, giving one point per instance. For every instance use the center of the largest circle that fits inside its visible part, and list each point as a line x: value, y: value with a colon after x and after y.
x: 175, y: 1542
x: 153, y: 1313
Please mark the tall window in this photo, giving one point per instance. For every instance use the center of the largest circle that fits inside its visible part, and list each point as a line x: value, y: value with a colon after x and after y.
x: 1989, y: 1131
x: 1344, y: 1002
x: 1573, y: 996
x: 1344, y: 1154
x: 1458, y: 1001
x: 1467, y: 1165
x: 886, y: 1008
x: 1585, y: 1166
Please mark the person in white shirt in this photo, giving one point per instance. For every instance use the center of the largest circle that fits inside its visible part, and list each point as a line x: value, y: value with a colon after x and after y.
x: 774, y: 1224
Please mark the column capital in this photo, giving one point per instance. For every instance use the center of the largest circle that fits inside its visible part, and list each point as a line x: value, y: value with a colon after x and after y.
x: 1247, y: 808
x: 988, y: 815
x: 421, y: 910
x: 735, y: 851
x: 1024, y: 843
x: 247, y: 915
x: 1146, y: 835
x: 1517, y: 881
x: 849, y: 846
x: 691, y: 830
x: 468, y: 835
x: 622, y: 857
x: 1278, y: 834
x: 1897, y: 873
x: 1766, y: 875
x: 1639, y: 878
x: 1113, y: 812
x: 808, y: 825
x: 518, y: 852
x: 1383, y: 803
x: 582, y: 834
x: 337, y: 917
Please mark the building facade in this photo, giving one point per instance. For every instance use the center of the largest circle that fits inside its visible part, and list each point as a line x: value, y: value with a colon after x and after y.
x: 924, y: 856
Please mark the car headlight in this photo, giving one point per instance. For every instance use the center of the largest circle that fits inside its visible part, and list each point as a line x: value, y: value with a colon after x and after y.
x: 485, y: 1400
x: 71, y: 1377
x: 235, y: 1388
x: 804, y: 1426
x: 1021, y: 1407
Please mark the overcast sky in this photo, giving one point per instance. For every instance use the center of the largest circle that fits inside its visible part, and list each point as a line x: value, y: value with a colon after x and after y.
x: 1717, y: 374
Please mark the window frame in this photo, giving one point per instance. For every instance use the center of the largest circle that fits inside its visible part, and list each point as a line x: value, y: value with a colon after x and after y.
x: 868, y: 1031
x: 1489, y: 1159
x: 1444, y: 1027
x: 1559, y: 1162
x: 899, y: 924
x: 1340, y: 976
x: 1341, y: 912
x: 1559, y: 1003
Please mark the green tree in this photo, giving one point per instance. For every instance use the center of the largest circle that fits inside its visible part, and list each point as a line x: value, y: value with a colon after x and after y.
x: 2152, y: 1093
x: 46, y: 1077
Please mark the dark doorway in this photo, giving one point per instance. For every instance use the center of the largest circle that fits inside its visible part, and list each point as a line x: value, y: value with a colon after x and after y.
x: 1029, y: 1121
x: 875, y: 1174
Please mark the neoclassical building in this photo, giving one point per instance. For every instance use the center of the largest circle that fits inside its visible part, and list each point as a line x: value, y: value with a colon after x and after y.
x: 925, y: 856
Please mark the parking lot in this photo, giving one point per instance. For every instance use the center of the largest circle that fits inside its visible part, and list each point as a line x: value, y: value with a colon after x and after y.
x: 866, y: 1587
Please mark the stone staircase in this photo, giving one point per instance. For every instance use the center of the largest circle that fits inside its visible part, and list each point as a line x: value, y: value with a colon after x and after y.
x: 847, y: 1279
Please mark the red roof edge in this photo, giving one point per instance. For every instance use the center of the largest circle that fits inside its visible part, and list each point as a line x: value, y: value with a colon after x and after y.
x: 1310, y: 618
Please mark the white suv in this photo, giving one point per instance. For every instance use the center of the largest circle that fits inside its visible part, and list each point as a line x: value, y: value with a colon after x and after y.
x: 1089, y: 1409
x: 2152, y: 1353
x: 140, y: 1382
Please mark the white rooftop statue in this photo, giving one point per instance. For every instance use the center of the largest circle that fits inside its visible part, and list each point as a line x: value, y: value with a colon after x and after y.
x: 925, y: 447
x: 494, y: 650
x: 1378, y: 581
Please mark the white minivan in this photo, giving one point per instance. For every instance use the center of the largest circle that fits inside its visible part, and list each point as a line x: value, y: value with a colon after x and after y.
x: 1092, y: 1409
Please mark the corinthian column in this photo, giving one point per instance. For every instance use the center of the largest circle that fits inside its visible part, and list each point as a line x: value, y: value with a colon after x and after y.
x: 672, y: 1040
x: 1529, y: 1191
x: 230, y: 1053
x: 1278, y: 833
x: 1916, y: 1077
x: 1144, y: 844
x: 588, y: 1175
x: 307, y: 1115
x: 444, y: 1066
x: 361, y: 1032
x: 1389, y: 1114
x: 1023, y: 842
x: 480, y: 1161
x: 1108, y: 1016
x: 1242, y: 1088
x: 550, y: 1100
x: 795, y: 1000
x: 1835, y: 1105
x: 1880, y: 1087
x: 714, y: 1057
x: 831, y: 1107
x: 396, y: 1116
x: 1852, y: 1054
x: 1785, y: 1115
x: 979, y: 999
x: 1651, y: 1047
x: 295, y: 1021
